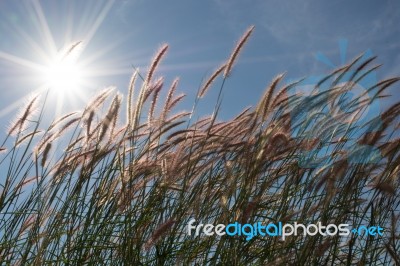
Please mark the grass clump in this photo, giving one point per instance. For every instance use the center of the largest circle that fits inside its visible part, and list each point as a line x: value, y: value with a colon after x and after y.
x: 123, y: 192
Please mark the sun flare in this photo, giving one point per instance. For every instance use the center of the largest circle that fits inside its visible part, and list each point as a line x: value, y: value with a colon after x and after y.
x: 63, y: 73
x: 63, y: 76
x: 67, y: 76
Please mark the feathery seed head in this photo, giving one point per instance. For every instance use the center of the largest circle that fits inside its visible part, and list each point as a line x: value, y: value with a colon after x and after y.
x: 237, y: 50
x: 210, y: 80
x: 156, y: 61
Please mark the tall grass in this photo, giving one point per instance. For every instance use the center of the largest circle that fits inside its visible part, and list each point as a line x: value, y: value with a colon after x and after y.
x: 93, y: 188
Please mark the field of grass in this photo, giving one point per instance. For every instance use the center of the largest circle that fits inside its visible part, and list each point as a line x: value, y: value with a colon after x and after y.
x: 97, y: 187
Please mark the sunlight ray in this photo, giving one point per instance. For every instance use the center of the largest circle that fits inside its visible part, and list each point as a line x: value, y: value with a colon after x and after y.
x: 99, y: 20
x: 70, y: 24
x: 49, y: 40
x: 20, y: 61
x: 100, y: 52
x: 109, y: 72
x: 32, y: 43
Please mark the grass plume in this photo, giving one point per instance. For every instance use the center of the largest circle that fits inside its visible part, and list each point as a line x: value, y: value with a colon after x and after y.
x: 236, y: 51
x: 94, y: 190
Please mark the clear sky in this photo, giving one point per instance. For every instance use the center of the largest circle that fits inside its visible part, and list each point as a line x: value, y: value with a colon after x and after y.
x: 120, y: 34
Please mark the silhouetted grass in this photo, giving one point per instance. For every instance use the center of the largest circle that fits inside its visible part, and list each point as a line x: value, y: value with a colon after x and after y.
x: 94, y: 189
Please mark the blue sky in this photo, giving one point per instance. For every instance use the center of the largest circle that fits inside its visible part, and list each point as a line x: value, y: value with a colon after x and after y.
x: 201, y: 35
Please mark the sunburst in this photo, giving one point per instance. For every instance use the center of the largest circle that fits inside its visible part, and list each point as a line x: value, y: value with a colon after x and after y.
x: 65, y: 73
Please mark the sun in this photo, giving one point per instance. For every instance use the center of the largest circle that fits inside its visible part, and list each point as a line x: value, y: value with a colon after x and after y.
x: 63, y: 75
x: 67, y: 76
x: 63, y: 72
